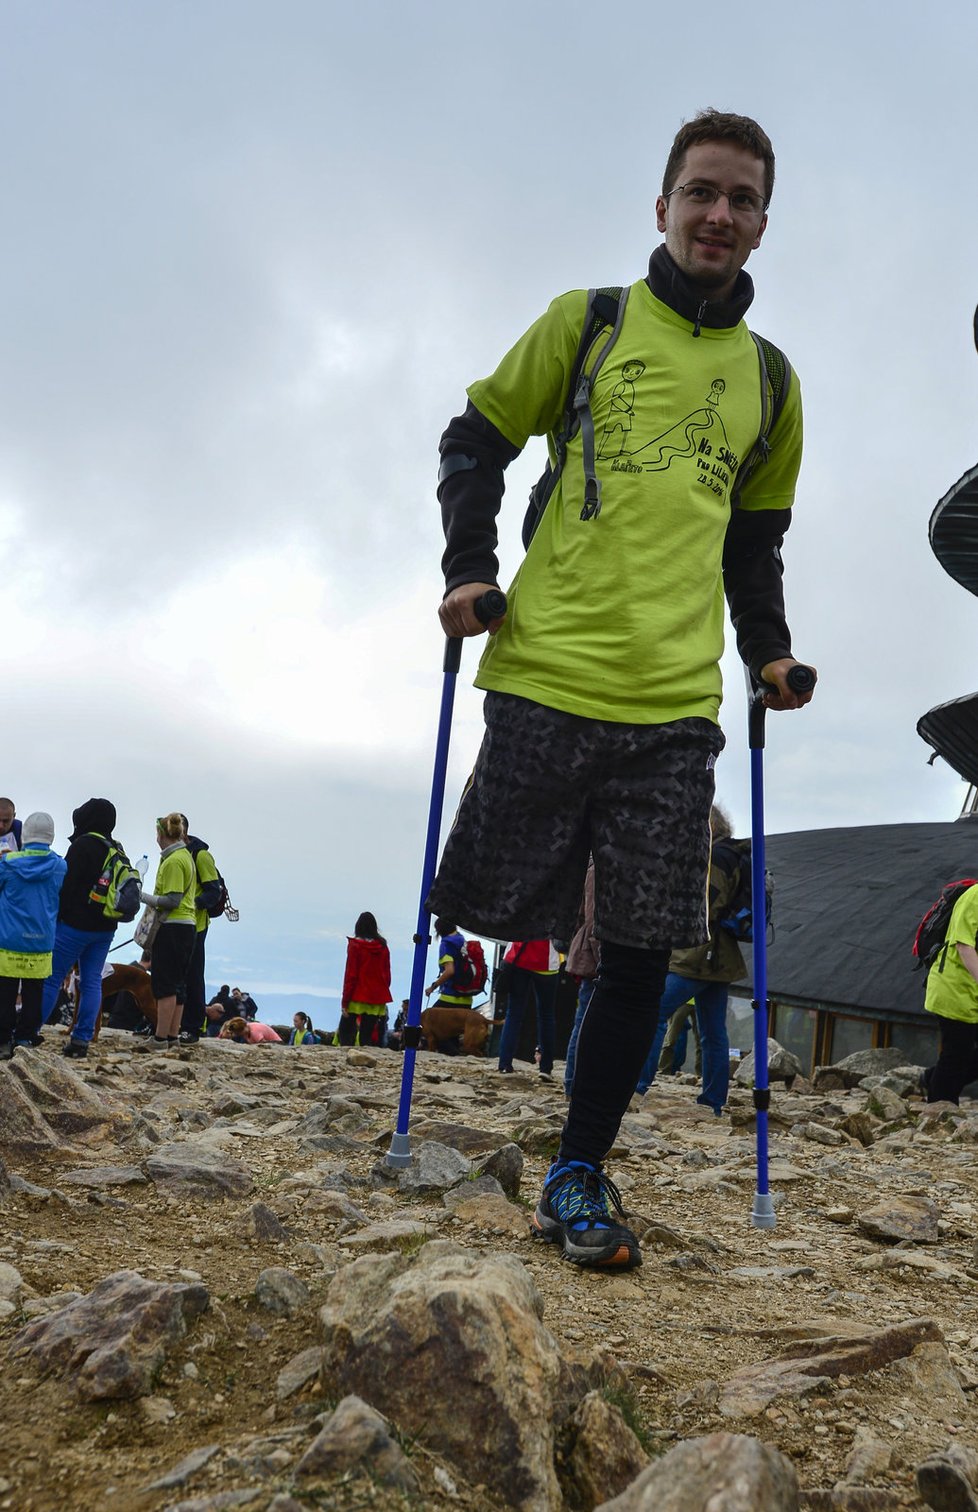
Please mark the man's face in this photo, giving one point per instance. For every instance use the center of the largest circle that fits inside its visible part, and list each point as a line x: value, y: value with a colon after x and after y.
x: 6, y: 818
x: 711, y: 242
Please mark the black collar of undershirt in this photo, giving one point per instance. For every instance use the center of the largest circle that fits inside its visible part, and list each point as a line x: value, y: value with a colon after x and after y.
x: 669, y: 283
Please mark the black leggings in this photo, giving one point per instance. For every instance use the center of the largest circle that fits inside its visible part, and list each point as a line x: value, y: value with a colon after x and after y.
x: 615, y: 1038
x: 31, y: 990
x: 957, y: 1064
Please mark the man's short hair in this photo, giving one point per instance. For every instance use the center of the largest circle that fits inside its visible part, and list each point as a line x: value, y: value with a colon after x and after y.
x: 720, y: 126
x: 444, y: 927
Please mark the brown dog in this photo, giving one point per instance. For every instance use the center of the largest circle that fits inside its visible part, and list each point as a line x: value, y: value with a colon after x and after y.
x: 443, y: 1022
x: 131, y: 979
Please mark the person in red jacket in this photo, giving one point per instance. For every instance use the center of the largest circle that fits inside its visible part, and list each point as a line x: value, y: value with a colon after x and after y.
x: 366, y: 985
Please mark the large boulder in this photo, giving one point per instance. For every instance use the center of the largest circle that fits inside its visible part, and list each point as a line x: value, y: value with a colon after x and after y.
x: 112, y: 1342
x: 396, y: 1331
x: 726, y: 1471
x: 782, y: 1065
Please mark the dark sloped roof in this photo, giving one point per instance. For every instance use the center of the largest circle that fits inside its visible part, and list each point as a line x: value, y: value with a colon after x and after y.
x: 953, y: 531
x: 952, y: 729
x: 847, y: 903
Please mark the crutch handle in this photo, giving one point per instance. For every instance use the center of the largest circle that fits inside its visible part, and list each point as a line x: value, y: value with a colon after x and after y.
x: 800, y: 679
x: 492, y: 605
x: 488, y: 606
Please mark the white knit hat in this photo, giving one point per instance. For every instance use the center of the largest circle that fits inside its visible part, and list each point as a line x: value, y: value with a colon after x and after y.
x: 38, y: 829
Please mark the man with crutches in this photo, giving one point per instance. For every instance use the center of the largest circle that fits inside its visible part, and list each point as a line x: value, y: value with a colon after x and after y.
x: 602, y: 678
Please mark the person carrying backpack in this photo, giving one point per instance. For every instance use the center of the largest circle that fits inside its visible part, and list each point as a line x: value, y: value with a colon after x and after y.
x: 703, y: 973
x: 535, y: 971
x: 452, y: 970
x: 209, y: 901
x: 84, y: 930
x: 952, y: 997
x: 673, y: 482
x: 30, y: 887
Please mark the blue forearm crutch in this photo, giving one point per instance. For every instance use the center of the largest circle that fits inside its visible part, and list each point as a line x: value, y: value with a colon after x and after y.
x: 800, y: 679
x: 490, y: 606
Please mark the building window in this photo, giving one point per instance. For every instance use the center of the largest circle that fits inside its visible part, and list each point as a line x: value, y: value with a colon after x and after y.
x: 794, y: 1029
x: 848, y: 1036
x: 918, y: 1042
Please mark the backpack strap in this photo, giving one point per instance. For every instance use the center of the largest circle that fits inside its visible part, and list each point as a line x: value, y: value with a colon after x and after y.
x: 599, y: 301
x: 605, y: 307
x: 775, y: 375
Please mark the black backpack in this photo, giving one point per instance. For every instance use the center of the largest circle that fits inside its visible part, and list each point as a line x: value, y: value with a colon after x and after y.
x: 214, y: 901
x: 606, y: 308
x: 734, y: 858
x: 930, y: 938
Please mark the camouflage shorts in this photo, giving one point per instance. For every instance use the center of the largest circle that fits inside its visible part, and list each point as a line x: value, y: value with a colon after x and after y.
x: 548, y: 790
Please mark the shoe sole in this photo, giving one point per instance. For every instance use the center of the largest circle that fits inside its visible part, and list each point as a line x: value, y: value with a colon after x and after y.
x: 625, y: 1256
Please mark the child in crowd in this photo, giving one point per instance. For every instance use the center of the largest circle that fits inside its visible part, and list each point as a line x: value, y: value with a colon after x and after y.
x: 30, y: 885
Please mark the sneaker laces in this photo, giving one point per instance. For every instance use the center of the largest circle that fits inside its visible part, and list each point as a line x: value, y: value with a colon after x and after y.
x: 579, y: 1196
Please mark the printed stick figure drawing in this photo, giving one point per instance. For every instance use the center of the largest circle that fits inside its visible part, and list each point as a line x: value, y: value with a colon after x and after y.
x: 619, y: 421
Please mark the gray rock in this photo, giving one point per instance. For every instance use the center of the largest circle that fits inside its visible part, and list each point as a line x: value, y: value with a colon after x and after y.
x: 884, y: 1104
x: 897, y: 1219
x: 948, y: 1481
x: 356, y: 1438
x: 869, y: 1459
x: 600, y: 1455
x: 105, y: 1176
x: 479, y: 1186
x: 11, y: 1284
x: 782, y: 1065
x: 397, y: 1328
x: 435, y: 1168
x: 853, y: 1068
x: 725, y: 1470
x: 261, y: 1223
x: 281, y: 1292
x: 186, y: 1469
x: 45, y: 1105
x: 819, y: 1133
x: 199, y: 1170
x: 810, y: 1365
x: 113, y: 1341
x: 506, y: 1164
x: 298, y: 1372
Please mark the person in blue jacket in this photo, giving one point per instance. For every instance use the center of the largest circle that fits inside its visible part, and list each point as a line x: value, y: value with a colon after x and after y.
x: 30, y: 885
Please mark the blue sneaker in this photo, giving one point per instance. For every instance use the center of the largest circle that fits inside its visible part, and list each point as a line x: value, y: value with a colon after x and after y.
x: 574, y: 1211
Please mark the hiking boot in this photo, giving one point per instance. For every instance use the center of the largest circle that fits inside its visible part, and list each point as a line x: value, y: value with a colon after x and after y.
x: 574, y: 1211
x: 6, y: 1050
x: 76, y: 1049
x: 29, y: 1041
x: 186, y: 1038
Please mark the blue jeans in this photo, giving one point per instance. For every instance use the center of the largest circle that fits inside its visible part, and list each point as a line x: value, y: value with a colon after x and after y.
x: 89, y: 947
x: 584, y: 992
x: 544, y: 989
x: 711, y: 1016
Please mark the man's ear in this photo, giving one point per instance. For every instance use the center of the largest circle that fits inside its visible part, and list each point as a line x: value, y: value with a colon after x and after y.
x: 661, y: 206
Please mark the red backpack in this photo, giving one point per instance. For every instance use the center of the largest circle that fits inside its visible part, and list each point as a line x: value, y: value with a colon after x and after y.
x: 471, y: 972
x: 932, y: 929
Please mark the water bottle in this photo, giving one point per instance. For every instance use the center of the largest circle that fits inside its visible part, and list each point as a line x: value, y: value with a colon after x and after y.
x: 142, y: 866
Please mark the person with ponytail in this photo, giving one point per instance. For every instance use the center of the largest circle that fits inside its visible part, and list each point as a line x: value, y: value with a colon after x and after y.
x: 174, y: 899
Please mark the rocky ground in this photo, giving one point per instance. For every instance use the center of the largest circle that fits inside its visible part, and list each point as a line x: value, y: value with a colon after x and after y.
x: 215, y: 1292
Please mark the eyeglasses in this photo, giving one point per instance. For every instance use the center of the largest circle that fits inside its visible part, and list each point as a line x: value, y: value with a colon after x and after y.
x: 741, y: 201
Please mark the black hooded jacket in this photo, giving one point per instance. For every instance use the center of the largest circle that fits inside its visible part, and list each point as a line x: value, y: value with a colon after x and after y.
x: 93, y: 823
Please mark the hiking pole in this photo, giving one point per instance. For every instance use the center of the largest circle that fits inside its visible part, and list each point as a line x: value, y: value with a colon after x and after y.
x: 492, y: 605
x: 800, y: 679
x: 131, y: 940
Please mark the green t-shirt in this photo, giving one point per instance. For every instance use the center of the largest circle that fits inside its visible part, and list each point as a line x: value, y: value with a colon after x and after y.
x: 176, y: 874
x: 206, y: 869
x: 951, y: 989
x: 621, y: 617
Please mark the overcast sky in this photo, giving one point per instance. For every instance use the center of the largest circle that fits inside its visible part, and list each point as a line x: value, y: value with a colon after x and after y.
x: 253, y: 253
